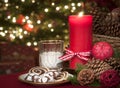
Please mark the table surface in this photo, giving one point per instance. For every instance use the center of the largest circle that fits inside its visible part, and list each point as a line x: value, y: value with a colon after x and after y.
x: 11, y: 81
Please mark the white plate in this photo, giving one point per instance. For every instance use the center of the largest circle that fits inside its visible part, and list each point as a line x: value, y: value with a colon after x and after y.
x: 22, y: 79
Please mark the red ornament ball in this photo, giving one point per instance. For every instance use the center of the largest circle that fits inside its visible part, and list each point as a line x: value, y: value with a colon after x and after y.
x: 102, y: 50
x: 20, y: 19
x: 28, y: 27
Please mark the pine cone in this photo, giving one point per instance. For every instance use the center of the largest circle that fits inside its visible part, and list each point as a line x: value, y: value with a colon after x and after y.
x: 98, y: 18
x: 85, y: 76
x: 111, y: 25
x: 114, y: 64
x: 98, y: 66
x: 106, y: 23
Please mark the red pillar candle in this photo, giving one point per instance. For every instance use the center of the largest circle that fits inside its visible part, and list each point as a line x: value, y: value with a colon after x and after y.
x: 80, y: 28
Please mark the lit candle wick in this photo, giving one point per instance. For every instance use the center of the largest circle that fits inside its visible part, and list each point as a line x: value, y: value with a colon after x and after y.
x: 81, y: 14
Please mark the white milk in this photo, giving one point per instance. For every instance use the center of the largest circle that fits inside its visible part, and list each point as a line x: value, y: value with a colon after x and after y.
x: 50, y: 59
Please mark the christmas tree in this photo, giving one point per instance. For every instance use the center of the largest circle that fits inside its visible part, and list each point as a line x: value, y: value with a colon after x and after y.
x: 28, y: 21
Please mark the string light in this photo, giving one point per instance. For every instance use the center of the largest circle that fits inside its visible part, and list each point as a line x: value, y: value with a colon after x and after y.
x: 57, y: 8
x: 52, y: 30
x: 14, y: 31
x: 8, y: 17
x: 72, y: 11
x: 30, y: 25
x: 20, y: 36
x: 20, y: 30
x: 79, y: 4
x: 26, y: 17
x: 2, y: 34
x: 6, y: 1
x: 29, y: 44
x: 12, y: 36
x: 53, y: 4
x: 22, y: 0
x: 33, y: 1
x: 46, y: 10
x: 1, y: 28
x: 49, y: 25
x: 17, y: 7
x: 29, y: 21
x: 6, y: 5
x: 14, y: 19
x: 38, y: 21
x: 73, y: 8
x: 35, y: 43
x: 72, y: 4
x: 25, y: 32
x: 57, y: 36
x: 66, y: 37
x: 66, y: 7
x: 6, y: 31
x: 20, y: 33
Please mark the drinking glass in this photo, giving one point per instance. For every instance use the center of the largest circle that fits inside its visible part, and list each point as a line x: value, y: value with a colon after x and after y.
x: 49, y: 53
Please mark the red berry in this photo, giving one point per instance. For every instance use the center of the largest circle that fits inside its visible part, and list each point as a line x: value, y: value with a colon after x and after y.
x: 102, y: 50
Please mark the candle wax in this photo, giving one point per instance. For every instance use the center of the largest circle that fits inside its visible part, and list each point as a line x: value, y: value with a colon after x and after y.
x: 80, y: 28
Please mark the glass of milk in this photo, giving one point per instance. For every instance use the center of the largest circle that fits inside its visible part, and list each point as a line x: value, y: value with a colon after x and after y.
x: 49, y: 53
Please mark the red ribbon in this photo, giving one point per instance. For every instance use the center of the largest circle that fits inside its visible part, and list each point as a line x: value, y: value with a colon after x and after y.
x: 70, y: 54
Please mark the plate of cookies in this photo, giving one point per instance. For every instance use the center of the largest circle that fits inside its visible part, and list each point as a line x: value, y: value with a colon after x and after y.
x: 44, y: 76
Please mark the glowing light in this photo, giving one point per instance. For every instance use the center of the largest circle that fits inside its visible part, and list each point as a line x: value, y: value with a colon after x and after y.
x: 29, y: 21
x: 6, y: 1
x: 6, y: 31
x: 1, y: 28
x: 25, y: 32
x: 22, y: 0
x: 8, y: 17
x: 26, y: 17
x: 72, y: 11
x: 20, y: 30
x: 72, y: 4
x: 33, y: 1
x: 49, y: 25
x: 17, y: 7
x: 46, y: 10
x: 6, y: 5
x: 35, y: 43
x: 14, y: 19
x: 14, y: 31
x: 79, y: 4
x: 66, y: 37
x: 73, y: 8
x: 2, y: 34
x: 53, y: 4
x: 66, y: 7
x: 38, y: 21
x: 23, y: 20
x: 30, y: 25
x: 57, y: 8
x: 20, y: 36
x: 57, y: 36
x: 52, y: 30
x: 12, y: 36
x: 29, y: 44
x: 81, y: 14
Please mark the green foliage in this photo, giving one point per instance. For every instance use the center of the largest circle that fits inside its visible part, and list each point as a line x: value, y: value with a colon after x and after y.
x: 96, y: 83
x: 73, y: 80
x: 116, y: 53
x: 79, y: 68
x: 35, y: 10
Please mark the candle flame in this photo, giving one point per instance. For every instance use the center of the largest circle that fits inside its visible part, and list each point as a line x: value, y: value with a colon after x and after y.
x: 81, y: 13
